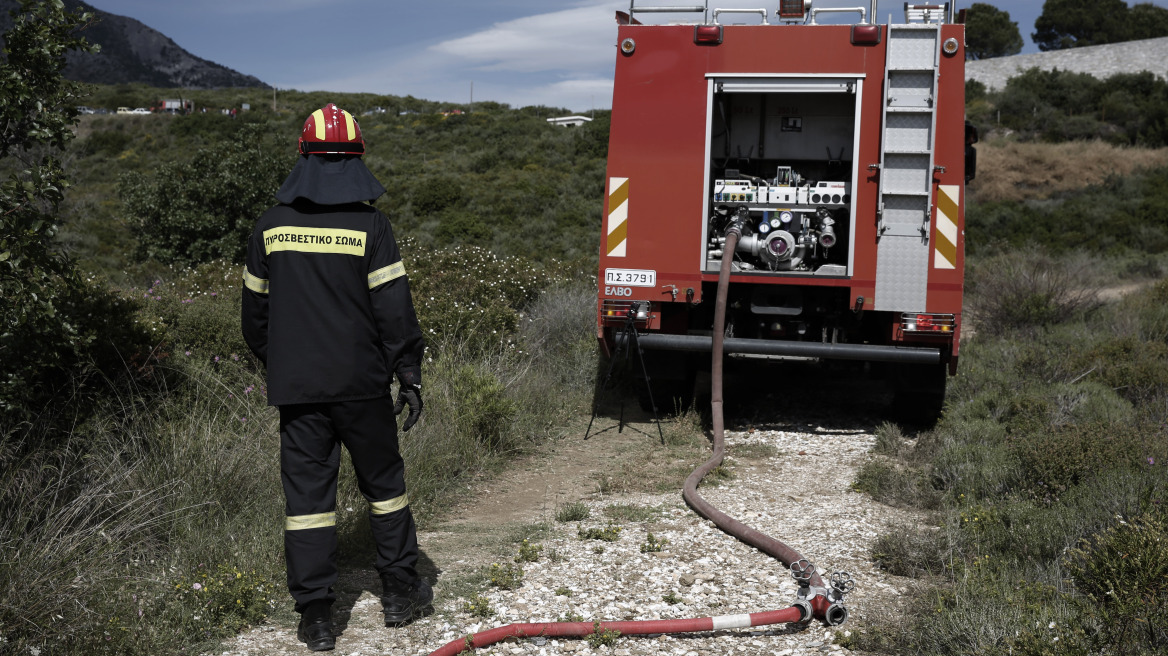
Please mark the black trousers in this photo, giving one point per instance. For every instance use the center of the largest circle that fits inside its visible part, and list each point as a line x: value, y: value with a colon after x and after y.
x: 311, y: 436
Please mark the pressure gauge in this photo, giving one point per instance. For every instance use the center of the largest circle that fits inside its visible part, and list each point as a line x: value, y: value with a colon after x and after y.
x: 764, y: 227
x: 786, y: 217
x: 775, y: 222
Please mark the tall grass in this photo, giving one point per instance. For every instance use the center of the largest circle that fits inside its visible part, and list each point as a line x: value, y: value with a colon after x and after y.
x: 157, y: 524
x: 1015, y: 171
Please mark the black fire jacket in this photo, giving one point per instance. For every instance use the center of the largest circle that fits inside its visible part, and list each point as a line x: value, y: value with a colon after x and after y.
x: 326, y: 304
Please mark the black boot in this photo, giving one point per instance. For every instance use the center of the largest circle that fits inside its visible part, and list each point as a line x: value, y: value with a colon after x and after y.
x: 402, y: 602
x: 316, y: 626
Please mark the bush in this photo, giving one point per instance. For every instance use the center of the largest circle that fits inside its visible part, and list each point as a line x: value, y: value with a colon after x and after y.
x: 1123, y: 574
x: 205, y: 208
x: 1028, y: 289
x: 894, y: 485
x: 911, y: 551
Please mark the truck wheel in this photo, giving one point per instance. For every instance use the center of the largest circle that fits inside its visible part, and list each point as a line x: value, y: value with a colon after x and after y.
x: 918, y: 392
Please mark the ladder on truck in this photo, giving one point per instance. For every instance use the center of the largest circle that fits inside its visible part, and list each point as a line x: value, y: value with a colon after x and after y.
x: 906, y: 159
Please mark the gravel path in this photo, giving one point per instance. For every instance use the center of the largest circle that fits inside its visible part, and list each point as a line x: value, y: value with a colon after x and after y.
x: 798, y: 491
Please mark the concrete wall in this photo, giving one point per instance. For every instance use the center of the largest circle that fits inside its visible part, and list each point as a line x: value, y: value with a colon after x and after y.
x: 1100, y: 61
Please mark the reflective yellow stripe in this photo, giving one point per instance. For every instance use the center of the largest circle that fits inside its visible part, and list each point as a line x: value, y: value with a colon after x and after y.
x: 945, y: 247
x: 618, y: 216
x: 254, y: 283
x: 349, y: 125
x: 302, y: 522
x: 385, y: 274
x: 392, y: 505
x: 318, y: 122
x: 314, y: 240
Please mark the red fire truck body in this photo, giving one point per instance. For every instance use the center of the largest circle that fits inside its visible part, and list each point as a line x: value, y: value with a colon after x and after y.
x: 840, y: 150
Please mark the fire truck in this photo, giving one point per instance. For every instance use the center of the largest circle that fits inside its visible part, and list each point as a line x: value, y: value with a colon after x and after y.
x: 835, y: 146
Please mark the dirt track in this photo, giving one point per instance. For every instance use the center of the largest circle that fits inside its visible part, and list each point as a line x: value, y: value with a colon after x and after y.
x: 795, y: 486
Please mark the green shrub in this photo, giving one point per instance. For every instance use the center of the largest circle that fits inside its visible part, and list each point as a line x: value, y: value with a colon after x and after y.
x: 507, y: 576
x: 204, y: 209
x: 1028, y: 289
x: 479, y: 606
x: 1123, y: 574
x: 602, y: 637
x: 484, y: 409
x: 653, y: 544
x: 610, y: 533
x: 573, y: 512
x: 1065, y: 456
x: 912, y: 551
x: 528, y: 553
x: 224, y: 599
x: 894, y: 485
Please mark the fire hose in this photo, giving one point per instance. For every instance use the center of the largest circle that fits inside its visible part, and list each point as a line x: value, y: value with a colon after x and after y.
x: 813, y: 598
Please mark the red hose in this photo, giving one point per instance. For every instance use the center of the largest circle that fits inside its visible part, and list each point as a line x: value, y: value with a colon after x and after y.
x: 578, y: 629
x: 760, y: 541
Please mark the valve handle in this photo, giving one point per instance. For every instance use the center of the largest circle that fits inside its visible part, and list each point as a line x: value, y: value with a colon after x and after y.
x: 802, y: 570
x: 842, y: 583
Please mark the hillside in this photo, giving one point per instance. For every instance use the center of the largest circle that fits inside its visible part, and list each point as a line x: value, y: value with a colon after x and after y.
x: 135, y: 53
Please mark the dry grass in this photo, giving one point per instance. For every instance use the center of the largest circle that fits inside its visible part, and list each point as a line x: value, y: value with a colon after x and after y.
x: 1013, y: 171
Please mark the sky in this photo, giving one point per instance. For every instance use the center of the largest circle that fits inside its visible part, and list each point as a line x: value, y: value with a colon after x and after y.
x: 518, y: 52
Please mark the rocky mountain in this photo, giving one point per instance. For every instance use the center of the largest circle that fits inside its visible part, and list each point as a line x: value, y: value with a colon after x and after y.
x: 133, y: 52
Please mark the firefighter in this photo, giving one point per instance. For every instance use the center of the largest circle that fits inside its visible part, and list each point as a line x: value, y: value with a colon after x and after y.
x: 327, y: 309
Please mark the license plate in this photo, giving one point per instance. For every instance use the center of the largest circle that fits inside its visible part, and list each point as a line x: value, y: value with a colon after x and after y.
x: 630, y: 277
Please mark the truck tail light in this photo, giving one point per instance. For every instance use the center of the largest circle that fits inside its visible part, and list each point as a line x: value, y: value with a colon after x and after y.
x: 708, y: 34
x: 615, y: 312
x: 865, y: 35
x: 792, y: 9
x: 923, y: 322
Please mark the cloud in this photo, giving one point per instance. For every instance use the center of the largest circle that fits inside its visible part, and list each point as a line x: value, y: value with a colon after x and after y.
x: 568, y: 40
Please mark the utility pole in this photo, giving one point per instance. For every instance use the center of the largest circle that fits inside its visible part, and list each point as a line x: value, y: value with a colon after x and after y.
x: 471, y: 106
x: 273, y: 98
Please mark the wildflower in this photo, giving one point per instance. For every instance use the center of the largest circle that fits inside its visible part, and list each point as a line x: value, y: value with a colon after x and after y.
x: 197, y: 586
x: 216, y: 358
x: 187, y: 352
x: 1151, y: 460
x: 214, y: 293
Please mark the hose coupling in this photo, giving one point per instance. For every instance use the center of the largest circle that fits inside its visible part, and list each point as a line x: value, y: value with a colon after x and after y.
x: 835, y: 615
x: 741, y: 215
x: 806, y: 612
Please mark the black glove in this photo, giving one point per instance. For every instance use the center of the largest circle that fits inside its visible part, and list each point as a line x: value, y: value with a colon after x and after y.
x: 410, y: 395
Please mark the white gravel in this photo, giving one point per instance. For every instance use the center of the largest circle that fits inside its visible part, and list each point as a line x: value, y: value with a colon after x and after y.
x: 801, y: 496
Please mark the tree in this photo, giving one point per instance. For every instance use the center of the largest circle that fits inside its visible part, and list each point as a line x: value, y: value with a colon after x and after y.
x: 1075, y: 23
x: 989, y: 32
x: 38, y: 283
x: 1148, y: 21
x: 205, y: 208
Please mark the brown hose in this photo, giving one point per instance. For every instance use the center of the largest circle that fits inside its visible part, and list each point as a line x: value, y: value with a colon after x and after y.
x: 760, y: 541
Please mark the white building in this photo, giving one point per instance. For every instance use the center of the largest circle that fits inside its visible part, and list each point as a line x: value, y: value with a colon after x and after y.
x: 569, y: 121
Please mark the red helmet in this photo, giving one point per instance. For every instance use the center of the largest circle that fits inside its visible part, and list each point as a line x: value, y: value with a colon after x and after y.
x: 331, y: 130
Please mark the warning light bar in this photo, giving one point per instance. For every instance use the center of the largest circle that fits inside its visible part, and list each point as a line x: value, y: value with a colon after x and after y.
x: 866, y: 35
x: 708, y: 34
x: 793, y: 9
